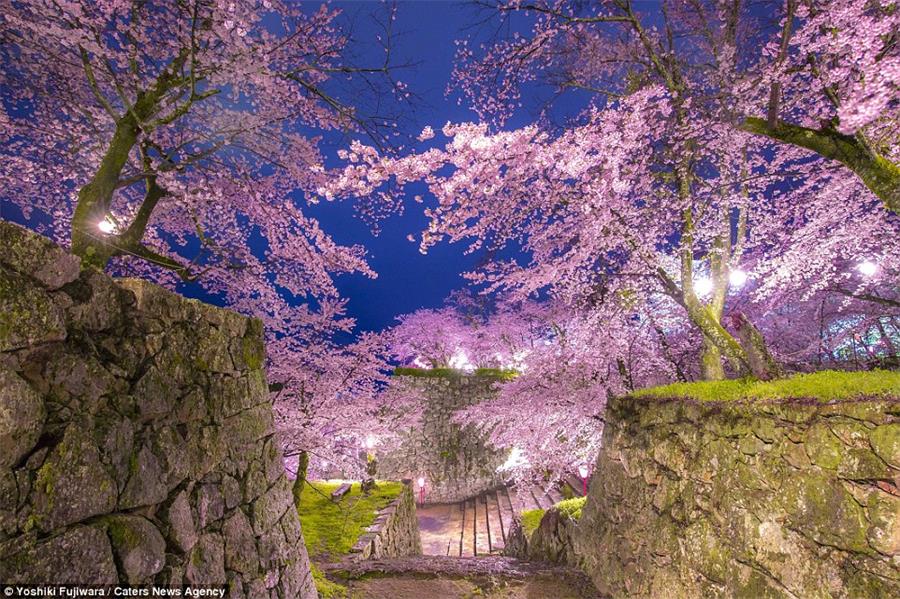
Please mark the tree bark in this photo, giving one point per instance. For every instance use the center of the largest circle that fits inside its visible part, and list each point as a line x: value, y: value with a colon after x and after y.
x: 302, y: 467
x: 878, y: 173
x: 95, y: 198
x: 711, y: 368
x: 762, y: 364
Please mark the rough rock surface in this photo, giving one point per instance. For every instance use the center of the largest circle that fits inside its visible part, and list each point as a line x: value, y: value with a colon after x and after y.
x: 136, y: 436
x: 435, y: 576
x: 395, y: 532
x: 456, y: 461
x: 745, y: 500
x: 553, y: 541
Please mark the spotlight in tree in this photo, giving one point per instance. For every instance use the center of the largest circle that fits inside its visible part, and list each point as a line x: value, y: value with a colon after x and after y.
x: 703, y: 286
x: 737, y: 278
x: 106, y: 226
x: 868, y: 268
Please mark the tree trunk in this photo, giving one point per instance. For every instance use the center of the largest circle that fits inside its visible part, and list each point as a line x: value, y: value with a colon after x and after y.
x: 711, y: 368
x: 878, y: 173
x: 302, y: 467
x: 715, y: 335
x: 95, y: 198
x: 762, y: 364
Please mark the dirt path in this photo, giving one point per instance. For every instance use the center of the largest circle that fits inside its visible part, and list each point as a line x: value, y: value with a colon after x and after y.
x: 439, y: 577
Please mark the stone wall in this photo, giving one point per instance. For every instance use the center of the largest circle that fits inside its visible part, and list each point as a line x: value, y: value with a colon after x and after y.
x: 395, y: 532
x: 136, y: 437
x: 552, y: 541
x: 456, y: 461
x: 737, y: 500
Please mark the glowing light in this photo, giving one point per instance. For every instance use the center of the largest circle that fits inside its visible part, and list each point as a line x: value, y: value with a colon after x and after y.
x: 515, y: 362
x: 703, y: 286
x: 370, y: 442
x: 106, y: 226
x: 737, y: 278
x: 583, y: 471
x: 867, y: 268
x: 460, y: 361
x: 421, y: 482
x: 516, y: 458
x: 420, y: 363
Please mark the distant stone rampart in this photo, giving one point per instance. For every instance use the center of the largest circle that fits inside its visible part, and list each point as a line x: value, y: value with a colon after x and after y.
x: 456, y: 461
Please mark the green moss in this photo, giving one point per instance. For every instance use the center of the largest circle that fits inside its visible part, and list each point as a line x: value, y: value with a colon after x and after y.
x: 331, y: 529
x: 497, y: 373
x: 571, y: 507
x: 123, y: 535
x: 531, y: 519
x: 326, y: 588
x: 827, y: 385
x: 252, y: 347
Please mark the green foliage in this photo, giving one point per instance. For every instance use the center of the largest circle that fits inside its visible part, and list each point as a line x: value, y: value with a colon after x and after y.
x: 497, y: 373
x: 326, y: 588
x: 827, y: 385
x: 531, y: 519
x: 571, y: 507
x: 331, y: 529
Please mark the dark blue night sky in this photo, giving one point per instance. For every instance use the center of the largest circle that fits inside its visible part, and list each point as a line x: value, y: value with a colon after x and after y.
x: 407, y: 280
x: 425, y: 32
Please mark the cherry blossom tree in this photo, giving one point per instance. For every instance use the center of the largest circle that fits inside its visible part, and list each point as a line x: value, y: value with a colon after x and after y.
x: 179, y: 141
x: 823, y: 76
x: 657, y: 179
x: 548, y: 408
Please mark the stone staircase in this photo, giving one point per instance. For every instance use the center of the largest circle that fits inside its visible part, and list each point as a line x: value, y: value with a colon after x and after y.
x: 480, y: 525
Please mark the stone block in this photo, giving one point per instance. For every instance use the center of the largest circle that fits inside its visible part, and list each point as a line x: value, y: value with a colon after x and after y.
x: 79, y: 555
x: 72, y: 484
x: 146, y: 482
x: 36, y: 256
x: 28, y: 315
x: 182, y: 529
x: 139, y: 547
x: 206, y: 565
x: 22, y: 417
x: 240, y: 545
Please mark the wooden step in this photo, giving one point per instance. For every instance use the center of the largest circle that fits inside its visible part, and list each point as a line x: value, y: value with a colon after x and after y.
x: 455, y: 543
x: 539, y: 499
x: 467, y: 546
x: 507, y: 512
x: 517, y: 499
x: 496, y: 539
x: 482, y: 530
x: 504, y: 514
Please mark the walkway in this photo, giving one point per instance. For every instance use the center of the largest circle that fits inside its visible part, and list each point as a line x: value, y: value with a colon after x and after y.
x: 458, y: 577
x: 479, y: 526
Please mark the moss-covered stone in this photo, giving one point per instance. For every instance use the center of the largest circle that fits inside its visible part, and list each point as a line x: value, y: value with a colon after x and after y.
x: 28, y: 315
x: 744, y: 499
x: 823, y: 447
x: 114, y: 435
x: 72, y: 484
x: 885, y: 441
x: 138, y: 546
x: 22, y: 415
